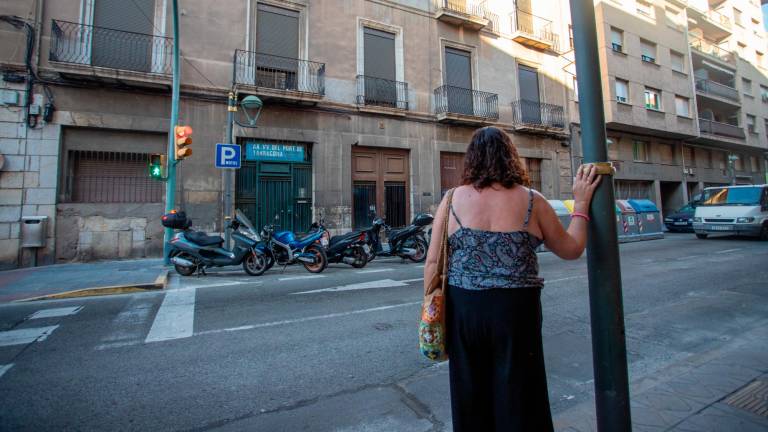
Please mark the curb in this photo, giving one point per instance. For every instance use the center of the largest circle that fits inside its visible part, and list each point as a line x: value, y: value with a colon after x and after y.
x: 160, y: 283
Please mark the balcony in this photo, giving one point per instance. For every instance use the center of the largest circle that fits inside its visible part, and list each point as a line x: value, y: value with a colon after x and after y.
x: 711, y: 127
x: 280, y: 77
x: 711, y: 88
x: 537, y: 116
x: 461, y: 105
x: 108, y: 53
x: 712, y: 23
x: 713, y: 51
x: 382, y: 93
x: 533, y: 31
x: 466, y: 13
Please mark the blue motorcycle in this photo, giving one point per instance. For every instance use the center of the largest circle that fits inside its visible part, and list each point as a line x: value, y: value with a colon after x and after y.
x: 284, y: 248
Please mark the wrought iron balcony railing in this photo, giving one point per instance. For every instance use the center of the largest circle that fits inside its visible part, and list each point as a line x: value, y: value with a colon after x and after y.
x: 535, y: 27
x: 709, y: 48
x: 712, y: 127
x: 713, y: 16
x: 463, y: 101
x: 115, y: 49
x: 466, y: 7
x: 713, y: 88
x: 382, y: 92
x: 537, y: 114
x: 279, y: 73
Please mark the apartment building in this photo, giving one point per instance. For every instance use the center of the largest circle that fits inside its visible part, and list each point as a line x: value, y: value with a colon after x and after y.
x: 683, y: 82
x: 367, y: 104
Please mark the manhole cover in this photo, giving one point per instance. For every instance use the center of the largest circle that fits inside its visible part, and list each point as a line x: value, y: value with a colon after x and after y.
x: 752, y: 398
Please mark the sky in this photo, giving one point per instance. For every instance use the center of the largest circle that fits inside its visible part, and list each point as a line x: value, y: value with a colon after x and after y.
x: 765, y: 16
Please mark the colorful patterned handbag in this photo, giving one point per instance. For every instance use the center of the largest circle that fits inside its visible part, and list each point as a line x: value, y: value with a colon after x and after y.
x: 432, y: 325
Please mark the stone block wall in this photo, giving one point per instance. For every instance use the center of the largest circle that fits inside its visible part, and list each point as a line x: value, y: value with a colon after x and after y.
x: 28, y: 180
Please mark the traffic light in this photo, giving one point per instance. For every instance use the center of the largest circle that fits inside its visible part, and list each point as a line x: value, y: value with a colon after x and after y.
x: 182, y: 141
x: 157, y: 167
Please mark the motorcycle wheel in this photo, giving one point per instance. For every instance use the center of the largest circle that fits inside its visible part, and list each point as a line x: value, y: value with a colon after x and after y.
x: 371, y: 254
x: 421, y: 250
x: 322, y: 260
x: 361, y: 259
x: 270, y: 261
x: 255, y: 264
x: 185, y: 271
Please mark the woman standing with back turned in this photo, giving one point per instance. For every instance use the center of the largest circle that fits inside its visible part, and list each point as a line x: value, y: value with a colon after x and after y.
x: 493, y: 306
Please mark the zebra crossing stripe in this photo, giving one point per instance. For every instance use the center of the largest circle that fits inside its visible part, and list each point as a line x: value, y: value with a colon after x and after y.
x: 176, y: 317
x: 4, y: 369
x: 25, y: 336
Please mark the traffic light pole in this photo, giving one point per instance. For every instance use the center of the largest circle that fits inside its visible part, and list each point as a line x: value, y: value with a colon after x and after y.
x: 170, y: 184
x: 605, y: 299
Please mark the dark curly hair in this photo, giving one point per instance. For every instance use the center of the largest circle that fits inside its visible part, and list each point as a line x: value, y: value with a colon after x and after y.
x: 491, y: 157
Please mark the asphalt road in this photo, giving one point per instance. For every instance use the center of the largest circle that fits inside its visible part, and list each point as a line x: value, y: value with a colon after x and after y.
x: 294, y: 351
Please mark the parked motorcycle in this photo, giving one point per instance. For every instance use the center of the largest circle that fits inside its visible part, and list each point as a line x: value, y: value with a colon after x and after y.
x: 350, y: 248
x: 408, y: 242
x: 284, y: 248
x: 194, y: 251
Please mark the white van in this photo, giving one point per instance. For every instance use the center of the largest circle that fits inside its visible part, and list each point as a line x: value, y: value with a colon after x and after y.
x: 741, y: 210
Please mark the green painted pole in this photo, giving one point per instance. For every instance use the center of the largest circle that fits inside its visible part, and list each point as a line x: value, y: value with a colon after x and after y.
x: 609, y: 350
x: 170, y: 184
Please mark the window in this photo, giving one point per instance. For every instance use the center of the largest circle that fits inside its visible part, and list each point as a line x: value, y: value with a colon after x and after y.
x: 575, y: 89
x: 682, y: 106
x: 677, y: 60
x: 617, y: 40
x: 689, y: 154
x: 741, y: 48
x: 738, y: 164
x: 379, y: 70
x: 645, y: 8
x: 110, y: 177
x: 753, y: 164
x: 751, y: 126
x: 666, y: 153
x: 674, y: 17
x: 640, y: 151
x: 759, y: 59
x: 277, y: 40
x: 707, y: 158
x: 766, y: 126
x: 746, y: 86
x: 764, y: 93
x: 622, y: 90
x: 648, y: 51
x: 737, y: 17
x: 653, y: 99
x: 570, y: 36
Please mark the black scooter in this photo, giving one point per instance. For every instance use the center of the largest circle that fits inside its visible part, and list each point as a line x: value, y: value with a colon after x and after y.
x: 192, y: 251
x: 408, y: 242
x: 350, y: 248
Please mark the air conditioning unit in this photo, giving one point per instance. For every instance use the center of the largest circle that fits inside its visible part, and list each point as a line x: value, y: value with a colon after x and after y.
x: 690, y: 171
x: 617, y: 47
x: 621, y: 99
x: 648, y: 59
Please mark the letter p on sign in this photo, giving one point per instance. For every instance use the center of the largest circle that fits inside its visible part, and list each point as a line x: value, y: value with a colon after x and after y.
x: 227, y: 156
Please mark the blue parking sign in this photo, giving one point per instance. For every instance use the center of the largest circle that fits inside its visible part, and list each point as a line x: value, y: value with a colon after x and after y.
x: 227, y: 156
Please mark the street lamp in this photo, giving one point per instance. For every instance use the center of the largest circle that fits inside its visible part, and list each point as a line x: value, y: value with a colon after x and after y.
x: 251, y: 108
x: 732, y: 158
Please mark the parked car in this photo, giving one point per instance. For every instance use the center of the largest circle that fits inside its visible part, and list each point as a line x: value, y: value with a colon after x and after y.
x: 740, y: 210
x: 681, y: 220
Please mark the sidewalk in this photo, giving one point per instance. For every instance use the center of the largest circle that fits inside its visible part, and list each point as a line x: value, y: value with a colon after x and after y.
x: 31, y: 282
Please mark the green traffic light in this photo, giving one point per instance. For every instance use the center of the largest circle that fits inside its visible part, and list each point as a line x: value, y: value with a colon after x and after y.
x: 155, y: 171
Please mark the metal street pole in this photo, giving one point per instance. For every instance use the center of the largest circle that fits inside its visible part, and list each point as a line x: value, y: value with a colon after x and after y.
x: 170, y: 185
x: 231, y: 109
x: 609, y: 350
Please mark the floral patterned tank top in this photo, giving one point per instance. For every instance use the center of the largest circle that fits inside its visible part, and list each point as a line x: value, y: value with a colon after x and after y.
x: 482, y: 259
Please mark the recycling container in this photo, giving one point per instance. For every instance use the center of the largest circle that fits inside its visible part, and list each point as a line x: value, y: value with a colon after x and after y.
x: 649, y: 223
x: 629, y: 226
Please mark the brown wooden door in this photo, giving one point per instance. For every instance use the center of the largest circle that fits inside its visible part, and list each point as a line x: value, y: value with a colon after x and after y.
x: 451, y: 170
x: 380, y: 179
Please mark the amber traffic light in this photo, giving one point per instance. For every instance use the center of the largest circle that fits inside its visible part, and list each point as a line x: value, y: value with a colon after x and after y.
x: 183, y: 140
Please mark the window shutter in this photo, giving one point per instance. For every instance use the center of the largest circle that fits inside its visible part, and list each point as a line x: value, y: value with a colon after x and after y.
x: 458, y: 72
x: 277, y: 31
x: 379, y: 57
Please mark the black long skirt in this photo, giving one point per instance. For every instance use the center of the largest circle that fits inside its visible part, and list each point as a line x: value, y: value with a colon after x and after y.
x: 497, y: 376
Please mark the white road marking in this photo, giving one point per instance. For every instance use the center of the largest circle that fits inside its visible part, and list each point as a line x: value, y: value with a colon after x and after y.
x: 373, y: 271
x: 728, y: 250
x: 290, y: 278
x: 25, y: 336
x: 564, y: 279
x: 689, y: 257
x: 128, y: 325
x: 412, y: 280
x: 56, y: 312
x: 4, y: 369
x: 383, y: 283
x: 305, y: 319
x: 420, y: 266
x: 176, y: 317
x: 214, y: 284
